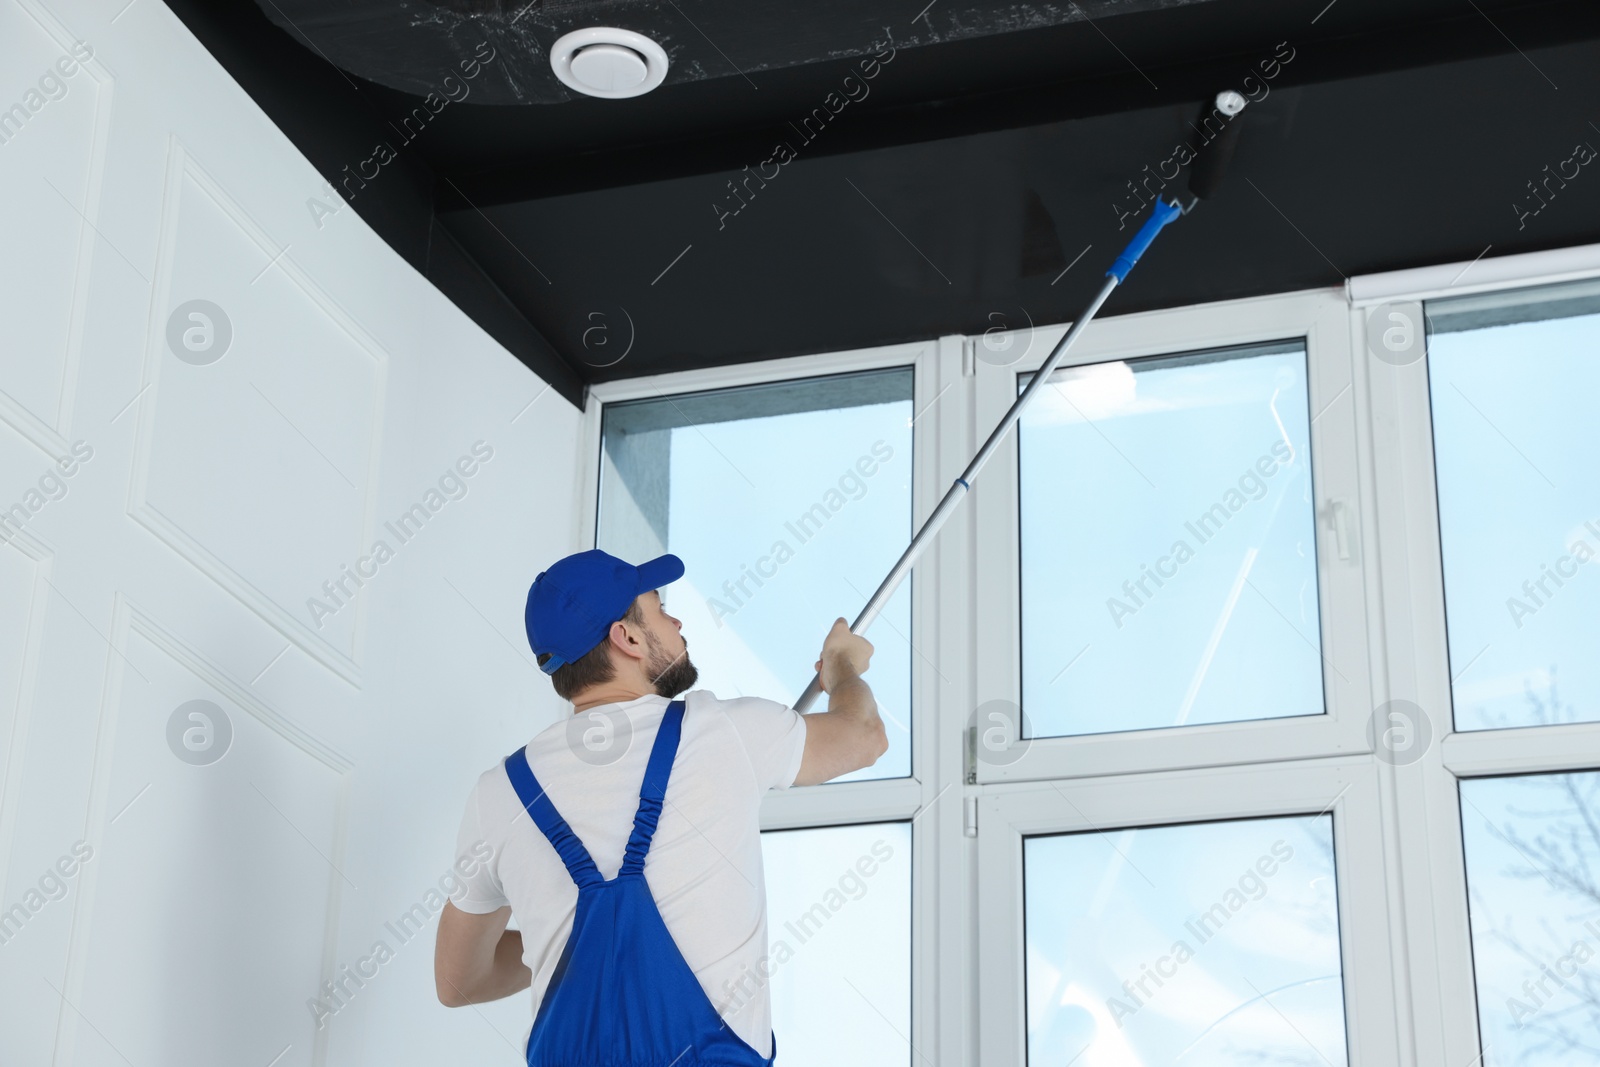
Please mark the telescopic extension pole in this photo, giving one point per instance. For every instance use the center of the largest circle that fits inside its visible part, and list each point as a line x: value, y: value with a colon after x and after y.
x: 1162, y: 214
x: 1204, y: 179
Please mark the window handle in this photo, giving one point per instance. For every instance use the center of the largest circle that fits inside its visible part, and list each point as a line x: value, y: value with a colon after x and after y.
x: 1338, y: 517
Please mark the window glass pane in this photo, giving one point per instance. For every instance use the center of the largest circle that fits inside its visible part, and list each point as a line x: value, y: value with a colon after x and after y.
x: 1169, y: 571
x: 1199, y: 945
x: 1513, y: 393
x: 788, y: 503
x: 1533, y: 856
x: 839, y: 936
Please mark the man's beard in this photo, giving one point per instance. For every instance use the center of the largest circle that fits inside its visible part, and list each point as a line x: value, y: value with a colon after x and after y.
x: 671, y: 675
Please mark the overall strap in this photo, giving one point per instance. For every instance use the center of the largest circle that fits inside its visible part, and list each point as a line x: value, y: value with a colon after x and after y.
x: 653, y: 789
x: 549, y: 820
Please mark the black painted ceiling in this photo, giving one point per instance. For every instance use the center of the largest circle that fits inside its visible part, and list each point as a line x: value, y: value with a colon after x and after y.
x: 408, y: 44
x: 954, y: 189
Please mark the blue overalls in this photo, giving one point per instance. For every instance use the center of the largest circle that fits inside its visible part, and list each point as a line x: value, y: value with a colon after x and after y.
x: 622, y: 994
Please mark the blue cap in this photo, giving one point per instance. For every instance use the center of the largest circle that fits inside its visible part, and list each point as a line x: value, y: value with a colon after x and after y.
x: 572, y: 605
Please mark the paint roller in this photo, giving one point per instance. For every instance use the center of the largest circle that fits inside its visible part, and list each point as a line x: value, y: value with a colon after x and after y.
x: 1205, y: 174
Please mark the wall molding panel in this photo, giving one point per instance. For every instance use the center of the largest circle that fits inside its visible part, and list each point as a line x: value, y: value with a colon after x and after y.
x: 186, y: 181
x: 45, y: 418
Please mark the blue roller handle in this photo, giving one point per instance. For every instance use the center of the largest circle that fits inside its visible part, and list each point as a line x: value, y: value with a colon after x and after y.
x: 1163, y: 214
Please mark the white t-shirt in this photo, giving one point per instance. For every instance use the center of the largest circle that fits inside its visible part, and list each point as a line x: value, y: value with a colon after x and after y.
x: 704, y: 865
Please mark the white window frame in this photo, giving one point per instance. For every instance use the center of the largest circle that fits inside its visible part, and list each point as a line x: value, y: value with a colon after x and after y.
x: 1346, y: 789
x: 886, y: 800
x: 1321, y: 319
x: 843, y: 802
x: 1405, y: 946
x: 1429, y: 857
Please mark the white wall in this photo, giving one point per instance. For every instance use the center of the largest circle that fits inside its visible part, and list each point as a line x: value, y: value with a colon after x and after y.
x: 177, y: 561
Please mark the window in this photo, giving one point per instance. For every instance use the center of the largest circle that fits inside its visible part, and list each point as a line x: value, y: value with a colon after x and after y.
x: 787, y: 502
x: 789, y: 498
x: 1205, y: 943
x: 1178, y: 540
x: 1169, y: 572
x: 1511, y: 386
x: 1533, y: 853
x: 1514, y: 381
x: 839, y: 931
x: 1257, y: 718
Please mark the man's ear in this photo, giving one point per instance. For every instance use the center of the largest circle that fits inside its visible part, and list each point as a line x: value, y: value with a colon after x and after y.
x: 625, y: 642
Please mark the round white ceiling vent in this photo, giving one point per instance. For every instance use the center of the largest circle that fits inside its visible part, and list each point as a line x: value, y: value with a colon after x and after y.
x: 607, y: 62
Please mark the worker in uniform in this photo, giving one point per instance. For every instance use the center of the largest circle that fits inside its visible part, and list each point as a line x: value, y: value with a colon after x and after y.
x: 626, y: 839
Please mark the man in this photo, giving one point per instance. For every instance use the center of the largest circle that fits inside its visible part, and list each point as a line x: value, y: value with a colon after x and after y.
x: 626, y: 842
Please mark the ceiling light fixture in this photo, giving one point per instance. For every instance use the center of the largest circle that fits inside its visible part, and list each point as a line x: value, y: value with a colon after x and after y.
x: 608, y: 62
